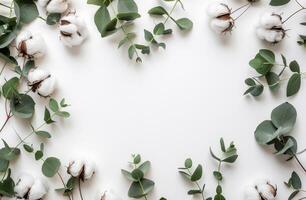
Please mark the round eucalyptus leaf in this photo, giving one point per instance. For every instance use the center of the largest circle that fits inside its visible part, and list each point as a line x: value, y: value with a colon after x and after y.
x: 22, y: 106
x: 265, y: 132
x: 51, y: 166
x: 135, y: 190
x: 284, y: 117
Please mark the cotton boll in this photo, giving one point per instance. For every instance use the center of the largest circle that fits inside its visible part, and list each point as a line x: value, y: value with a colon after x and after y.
x: 81, y: 169
x: 261, y: 189
x: 270, y: 20
x: 221, y: 26
x: 218, y: 9
x: 47, y: 87
x: 110, y: 195
x: 270, y: 28
x: 38, y: 190
x: 23, y: 185
x: 41, y: 81
x: 54, y: 6
x: 89, y: 170
x: 30, y: 45
x: 73, y: 30
x: 75, y: 168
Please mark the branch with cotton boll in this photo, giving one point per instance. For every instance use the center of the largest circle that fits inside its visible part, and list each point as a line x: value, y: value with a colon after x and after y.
x: 222, y: 18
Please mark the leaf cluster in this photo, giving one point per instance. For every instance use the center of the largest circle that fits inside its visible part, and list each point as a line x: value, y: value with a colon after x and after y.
x: 264, y: 64
x: 275, y: 131
x: 140, y: 186
x: 295, y: 183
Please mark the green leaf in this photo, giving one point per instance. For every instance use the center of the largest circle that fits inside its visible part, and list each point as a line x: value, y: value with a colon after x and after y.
x: 53, y: 18
x: 27, y: 67
x: 103, y: 22
x: 278, y: 2
x: 222, y: 145
x: 250, y: 82
x: 127, y: 10
x: 43, y: 134
x: 51, y: 166
x: 184, y: 24
x: 289, y: 144
x: 230, y: 159
x: 294, y: 84
x: 22, y: 106
x: 217, y: 175
x: 4, y: 164
x: 53, y: 105
x: 148, y: 36
x: 188, y: 163
x: 255, y: 90
x: 9, y: 89
x: 137, y: 174
x: 272, y: 80
x: 219, y: 189
x: 8, y: 153
x: 128, y: 175
x: 47, y: 117
x: 293, y: 194
x: 296, y: 181
x: 284, y: 117
x: 294, y: 66
x: 99, y: 2
x: 63, y: 114
x: 137, y: 159
x: 131, y: 51
x: 27, y: 10
x: 197, y: 174
x: 38, y: 155
x: 267, y: 55
x: 144, y: 167
x: 193, y: 192
x: 158, y: 10
x: 265, y: 132
x: 7, y: 186
x: 127, y: 38
x: 135, y: 190
x: 28, y: 148
x: 63, y: 103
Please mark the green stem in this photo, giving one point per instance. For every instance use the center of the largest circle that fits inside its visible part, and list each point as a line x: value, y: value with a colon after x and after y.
x: 219, y: 170
x: 198, y: 185
x: 42, y: 18
x: 141, y: 186
x: 171, y: 11
x: 282, y: 71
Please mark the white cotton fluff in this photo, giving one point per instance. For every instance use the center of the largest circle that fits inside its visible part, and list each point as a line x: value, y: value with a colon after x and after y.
x: 23, y: 185
x: 38, y: 190
x: 81, y: 169
x: 261, y: 189
x: 110, y: 195
x: 42, y: 82
x: 217, y: 10
x: 270, y: 28
x: 221, y: 20
x: 54, y: 6
x: 30, y: 45
x: 73, y: 30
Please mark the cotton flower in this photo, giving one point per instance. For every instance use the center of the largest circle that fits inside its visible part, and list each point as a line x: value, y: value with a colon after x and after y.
x: 54, y: 6
x: 110, y: 195
x: 29, y: 188
x: 221, y: 20
x: 41, y: 81
x: 81, y: 169
x: 270, y: 28
x: 73, y: 30
x: 30, y: 45
x: 262, y: 189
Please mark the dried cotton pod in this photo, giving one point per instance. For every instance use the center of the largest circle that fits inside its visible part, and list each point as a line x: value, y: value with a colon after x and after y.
x: 30, y: 45
x: 29, y: 188
x: 110, y: 195
x: 221, y: 19
x: 41, y: 81
x: 81, y: 169
x: 73, y: 30
x: 270, y: 28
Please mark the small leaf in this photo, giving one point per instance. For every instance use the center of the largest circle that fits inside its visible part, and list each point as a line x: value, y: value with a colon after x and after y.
x: 51, y: 166
x: 217, y: 175
x: 28, y: 148
x: 296, y: 181
x: 188, y: 163
x: 294, y: 84
x: 278, y: 2
x: 53, y: 105
x: 158, y: 11
x: 294, y: 66
x: 43, y: 134
x: 197, y: 174
x: 184, y: 23
x: 47, y: 117
x: 38, y: 155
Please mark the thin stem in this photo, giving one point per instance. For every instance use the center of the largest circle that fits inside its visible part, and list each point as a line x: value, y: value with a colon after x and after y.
x: 42, y: 18
x: 63, y: 182
x: 197, y: 185
x: 141, y: 186
x: 240, y: 8
x: 2, y: 69
x: 171, y: 11
x: 249, y: 5
x: 296, y: 1
x: 80, y: 190
x: 299, y: 162
x: 5, y: 122
x: 219, y: 170
x: 282, y: 71
x: 303, y: 8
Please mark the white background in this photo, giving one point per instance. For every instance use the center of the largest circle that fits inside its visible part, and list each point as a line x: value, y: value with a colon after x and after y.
x: 175, y: 105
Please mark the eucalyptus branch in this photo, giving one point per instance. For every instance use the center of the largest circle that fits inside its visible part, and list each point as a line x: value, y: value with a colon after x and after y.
x: 296, y: 12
